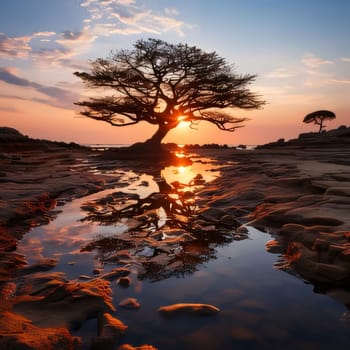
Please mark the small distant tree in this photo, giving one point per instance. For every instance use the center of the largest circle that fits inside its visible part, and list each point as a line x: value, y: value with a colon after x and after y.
x: 164, y: 84
x: 318, y: 117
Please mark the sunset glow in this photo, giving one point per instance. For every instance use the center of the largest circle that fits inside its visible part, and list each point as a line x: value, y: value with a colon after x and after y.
x: 299, y: 69
x: 181, y: 118
x: 183, y: 123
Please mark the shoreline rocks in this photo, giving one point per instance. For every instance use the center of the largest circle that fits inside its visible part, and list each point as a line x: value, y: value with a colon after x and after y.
x: 301, y: 198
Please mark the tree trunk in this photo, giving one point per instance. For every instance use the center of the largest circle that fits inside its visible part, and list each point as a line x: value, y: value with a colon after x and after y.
x: 152, y: 148
x: 159, y: 135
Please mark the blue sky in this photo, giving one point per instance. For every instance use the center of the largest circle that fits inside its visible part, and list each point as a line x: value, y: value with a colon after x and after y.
x: 299, y: 50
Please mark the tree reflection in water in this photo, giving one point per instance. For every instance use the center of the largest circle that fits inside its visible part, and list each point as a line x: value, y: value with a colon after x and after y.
x: 166, y: 233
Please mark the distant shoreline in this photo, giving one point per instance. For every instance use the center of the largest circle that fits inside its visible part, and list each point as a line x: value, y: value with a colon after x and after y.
x: 102, y: 146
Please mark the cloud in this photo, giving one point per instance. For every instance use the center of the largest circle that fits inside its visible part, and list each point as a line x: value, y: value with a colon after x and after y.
x: 315, y: 72
x: 58, y: 97
x: 8, y: 77
x: 126, y: 17
x: 340, y: 81
x: 7, y: 108
x: 76, y: 42
x: 314, y: 62
x: 171, y: 11
x: 106, y: 18
x: 15, y: 47
x: 55, y: 49
x: 280, y: 73
x: 44, y: 34
x: 7, y: 96
x: 345, y: 59
x: 20, y: 98
x: 62, y: 49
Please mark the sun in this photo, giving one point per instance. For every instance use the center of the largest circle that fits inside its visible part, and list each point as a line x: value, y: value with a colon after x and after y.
x: 182, y: 121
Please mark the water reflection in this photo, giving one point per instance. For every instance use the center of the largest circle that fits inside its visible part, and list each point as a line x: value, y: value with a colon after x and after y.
x: 165, y: 233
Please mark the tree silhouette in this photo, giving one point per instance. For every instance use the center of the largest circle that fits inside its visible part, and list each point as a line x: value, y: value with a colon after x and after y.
x: 318, y: 118
x: 164, y: 84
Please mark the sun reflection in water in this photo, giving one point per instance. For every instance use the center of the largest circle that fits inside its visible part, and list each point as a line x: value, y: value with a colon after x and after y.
x: 189, y: 176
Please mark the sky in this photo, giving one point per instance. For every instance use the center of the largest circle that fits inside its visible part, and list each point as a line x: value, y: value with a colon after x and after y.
x: 298, y: 49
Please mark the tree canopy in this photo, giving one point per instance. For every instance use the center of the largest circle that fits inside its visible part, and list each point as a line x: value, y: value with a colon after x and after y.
x: 164, y: 84
x: 318, y: 117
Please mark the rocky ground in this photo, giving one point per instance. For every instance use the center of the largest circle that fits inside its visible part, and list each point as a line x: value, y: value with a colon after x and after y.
x: 36, y: 177
x: 299, y: 191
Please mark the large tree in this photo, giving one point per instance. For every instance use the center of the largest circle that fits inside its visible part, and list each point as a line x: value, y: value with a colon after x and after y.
x: 164, y: 84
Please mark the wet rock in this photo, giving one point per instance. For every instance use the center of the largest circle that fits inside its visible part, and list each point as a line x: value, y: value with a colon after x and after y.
x: 161, y: 259
x: 323, y: 272
x: 173, y: 232
x: 18, y: 332
x: 10, y: 263
x: 119, y: 255
x: 141, y: 347
x: 175, y: 265
x: 124, y: 281
x: 40, y: 283
x: 8, y: 243
x: 130, y: 303
x: 110, y: 331
x: 157, y: 235
x: 229, y: 222
x: 115, y: 274
x: 42, y: 265
x: 85, y: 277
x: 7, y: 293
x: 111, y: 327
x: 300, y: 233
x: 321, y: 220
x: 242, y: 229
x: 188, y: 308
x: 321, y: 244
x: 346, y: 253
x: 204, y: 227
x: 239, y: 237
x: 308, y: 265
x: 339, y: 191
x: 70, y: 302
x: 212, y: 214
x: 336, y: 249
x: 273, y: 246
